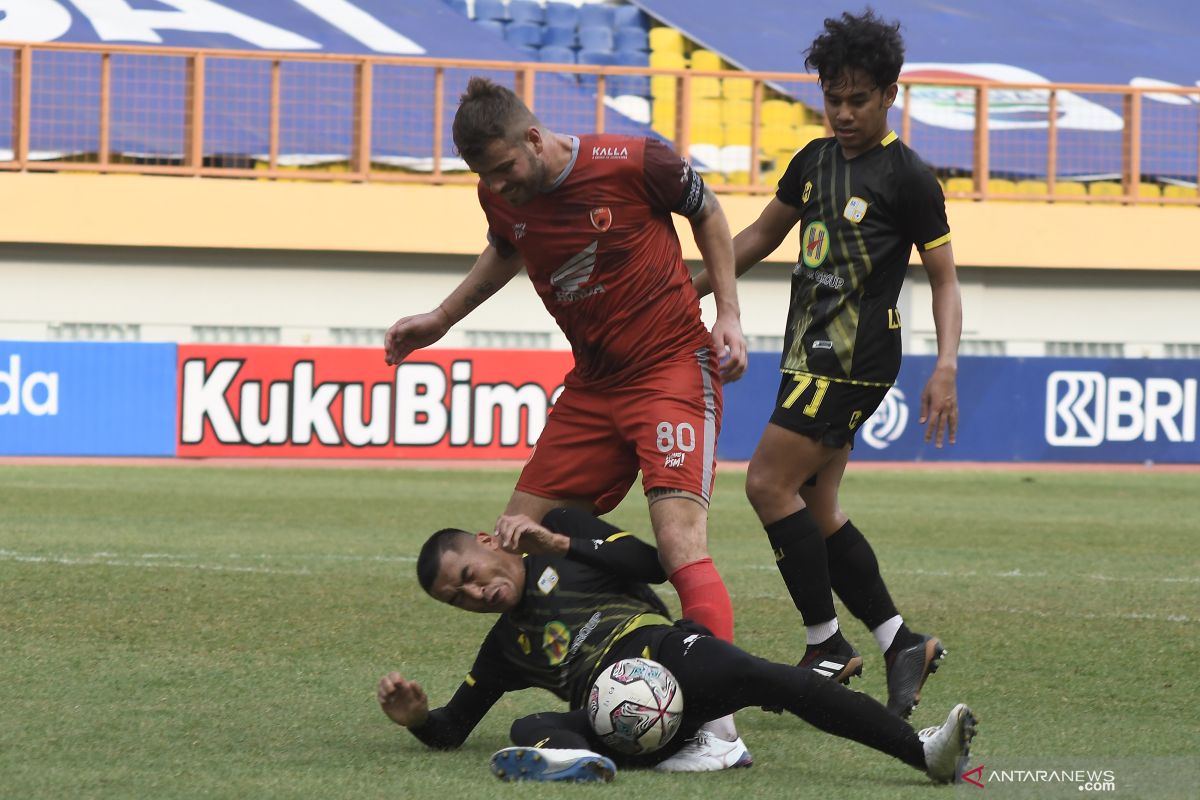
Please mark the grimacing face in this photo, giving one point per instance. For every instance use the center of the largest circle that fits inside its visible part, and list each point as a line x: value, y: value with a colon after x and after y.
x: 857, y: 111
x: 513, y: 170
x: 479, y: 577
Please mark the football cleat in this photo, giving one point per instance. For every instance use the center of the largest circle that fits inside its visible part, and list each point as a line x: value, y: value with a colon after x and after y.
x: 836, y: 660
x: 706, y: 752
x: 552, y: 764
x: 907, y: 670
x: 948, y: 746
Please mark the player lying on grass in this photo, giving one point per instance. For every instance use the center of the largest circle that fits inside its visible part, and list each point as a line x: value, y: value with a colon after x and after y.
x: 577, y: 601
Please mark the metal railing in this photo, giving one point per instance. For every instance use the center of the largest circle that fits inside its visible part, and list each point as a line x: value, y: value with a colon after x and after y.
x: 264, y: 115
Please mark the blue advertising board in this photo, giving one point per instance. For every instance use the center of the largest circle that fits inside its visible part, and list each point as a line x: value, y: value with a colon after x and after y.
x: 87, y: 399
x: 1010, y: 409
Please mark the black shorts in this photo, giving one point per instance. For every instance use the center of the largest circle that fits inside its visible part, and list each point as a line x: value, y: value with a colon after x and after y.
x: 825, y: 410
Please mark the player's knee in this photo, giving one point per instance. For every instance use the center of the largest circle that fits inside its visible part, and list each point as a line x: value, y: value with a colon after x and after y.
x: 525, y: 731
x: 762, y: 489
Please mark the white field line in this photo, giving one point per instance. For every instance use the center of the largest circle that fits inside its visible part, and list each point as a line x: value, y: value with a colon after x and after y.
x: 1012, y: 573
x: 187, y: 561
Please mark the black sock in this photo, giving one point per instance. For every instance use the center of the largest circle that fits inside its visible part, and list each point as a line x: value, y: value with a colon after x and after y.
x: 854, y: 575
x: 801, y: 559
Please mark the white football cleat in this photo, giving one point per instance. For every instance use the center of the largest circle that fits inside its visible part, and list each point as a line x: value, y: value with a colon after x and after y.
x: 705, y: 752
x: 552, y: 764
x: 948, y: 746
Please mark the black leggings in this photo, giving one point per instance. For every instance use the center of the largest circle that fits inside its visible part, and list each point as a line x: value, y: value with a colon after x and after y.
x: 718, y: 678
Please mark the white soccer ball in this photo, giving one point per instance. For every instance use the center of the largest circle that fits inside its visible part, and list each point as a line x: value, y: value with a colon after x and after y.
x: 635, y: 706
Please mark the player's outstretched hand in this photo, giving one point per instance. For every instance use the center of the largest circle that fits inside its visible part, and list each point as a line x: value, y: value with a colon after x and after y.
x: 731, y: 347
x: 518, y: 533
x: 403, y: 700
x: 413, y: 333
x: 939, y: 406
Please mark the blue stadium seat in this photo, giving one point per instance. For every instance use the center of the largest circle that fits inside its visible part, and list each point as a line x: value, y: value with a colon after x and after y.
x: 630, y: 84
x: 493, y: 25
x: 629, y: 17
x: 631, y: 58
x: 595, y: 15
x: 596, y: 39
x: 459, y: 5
x: 632, y: 39
x: 526, y: 11
x: 523, y: 34
x: 604, y: 58
x: 490, y: 9
x: 562, y: 15
x: 558, y: 36
x: 556, y: 55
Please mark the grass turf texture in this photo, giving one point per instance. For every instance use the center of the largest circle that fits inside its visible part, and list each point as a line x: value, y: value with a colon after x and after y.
x: 202, y: 632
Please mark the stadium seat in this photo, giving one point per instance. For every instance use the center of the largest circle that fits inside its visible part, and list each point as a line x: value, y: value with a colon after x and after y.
x: 778, y: 112
x: 559, y: 36
x: 526, y: 11
x: 459, y: 5
x: 777, y: 137
x: 601, y: 58
x: 737, y: 88
x: 737, y: 134
x: 666, y: 40
x: 493, y: 25
x: 739, y: 178
x: 661, y: 60
x: 562, y: 15
x: 1001, y: 186
x: 490, y: 9
x: 1105, y: 189
x: 1033, y: 187
x: 556, y: 55
x: 629, y: 16
x: 631, y: 58
x: 663, y: 87
x: 595, y: 38
x: 523, y: 34
x: 960, y: 185
x: 736, y: 112
x: 707, y: 133
x: 1069, y: 189
x: 631, y: 39
x: 703, y: 88
x: 1179, y: 192
x: 808, y: 133
x: 706, y: 110
x: 1149, y: 190
x: 662, y: 116
x: 706, y: 60
x: 596, y: 15
x: 630, y: 84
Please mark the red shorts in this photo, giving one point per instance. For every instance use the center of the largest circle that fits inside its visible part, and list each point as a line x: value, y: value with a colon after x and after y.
x: 664, y: 422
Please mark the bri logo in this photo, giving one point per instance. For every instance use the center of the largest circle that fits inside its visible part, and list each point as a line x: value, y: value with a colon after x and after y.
x: 1086, y: 409
x: 37, y: 394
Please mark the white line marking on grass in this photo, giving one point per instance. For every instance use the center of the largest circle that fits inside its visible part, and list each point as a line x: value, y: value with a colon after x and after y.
x: 1014, y: 573
x: 1134, y: 615
x: 191, y: 561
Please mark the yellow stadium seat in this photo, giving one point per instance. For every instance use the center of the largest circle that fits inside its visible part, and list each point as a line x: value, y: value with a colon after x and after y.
x: 662, y: 117
x: 714, y: 179
x: 706, y: 88
x: 707, y: 110
x: 707, y: 133
x: 737, y: 88
x: 782, y: 157
x: 1001, y: 186
x: 668, y: 60
x: 737, y: 178
x: 737, y: 134
x: 1180, y: 192
x: 960, y: 185
x: 810, y: 132
x: 706, y: 59
x: 1105, y: 189
x: 666, y: 40
x: 778, y: 112
x: 1149, y: 190
x: 663, y: 87
x: 736, y: 112
x: 1069, y: 189
x: 1032, y: 187
x: 777, y: 137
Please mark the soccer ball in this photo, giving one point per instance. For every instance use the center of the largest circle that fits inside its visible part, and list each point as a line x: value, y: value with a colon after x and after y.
x: 635, y: 706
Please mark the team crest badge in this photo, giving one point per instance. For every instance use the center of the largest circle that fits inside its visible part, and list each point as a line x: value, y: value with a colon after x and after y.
x: 814, y: 244
x: 855, y: 210
x: 807, y: 192
x: 601, y: 218
x: 548, y: 581
x: 556, y: 637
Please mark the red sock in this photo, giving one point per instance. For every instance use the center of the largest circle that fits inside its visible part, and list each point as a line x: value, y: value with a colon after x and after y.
x: 704, y: 597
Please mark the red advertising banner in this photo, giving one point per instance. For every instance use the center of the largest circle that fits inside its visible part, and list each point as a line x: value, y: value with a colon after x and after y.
x: 324, y: 402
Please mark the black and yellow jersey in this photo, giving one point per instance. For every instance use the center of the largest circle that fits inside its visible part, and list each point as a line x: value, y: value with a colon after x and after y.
x: 860, y: 219
x: 571, y: 612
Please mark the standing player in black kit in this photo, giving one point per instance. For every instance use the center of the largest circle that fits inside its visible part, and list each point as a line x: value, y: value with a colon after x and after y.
x: 862, y: 199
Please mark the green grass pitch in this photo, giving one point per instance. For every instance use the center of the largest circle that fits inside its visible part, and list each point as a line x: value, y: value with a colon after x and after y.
x: 207, y: 632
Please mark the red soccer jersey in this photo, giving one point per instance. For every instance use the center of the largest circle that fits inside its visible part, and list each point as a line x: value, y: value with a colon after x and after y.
x: 602, y: 252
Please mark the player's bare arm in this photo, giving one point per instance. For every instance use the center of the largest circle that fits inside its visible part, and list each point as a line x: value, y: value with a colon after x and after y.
x: 489, y: 274
x: 756, y: 242
x: 518, y: 533
x: 403, y: 700
x: 711, y: 231
x: 939, y: 400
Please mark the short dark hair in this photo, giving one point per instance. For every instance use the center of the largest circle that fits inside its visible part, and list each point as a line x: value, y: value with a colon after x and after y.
x: 430, y: 558
x: 486, y: 112
x: 863, y: 42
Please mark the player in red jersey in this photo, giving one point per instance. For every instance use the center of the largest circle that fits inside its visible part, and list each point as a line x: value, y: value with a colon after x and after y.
x: 589, y: 217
